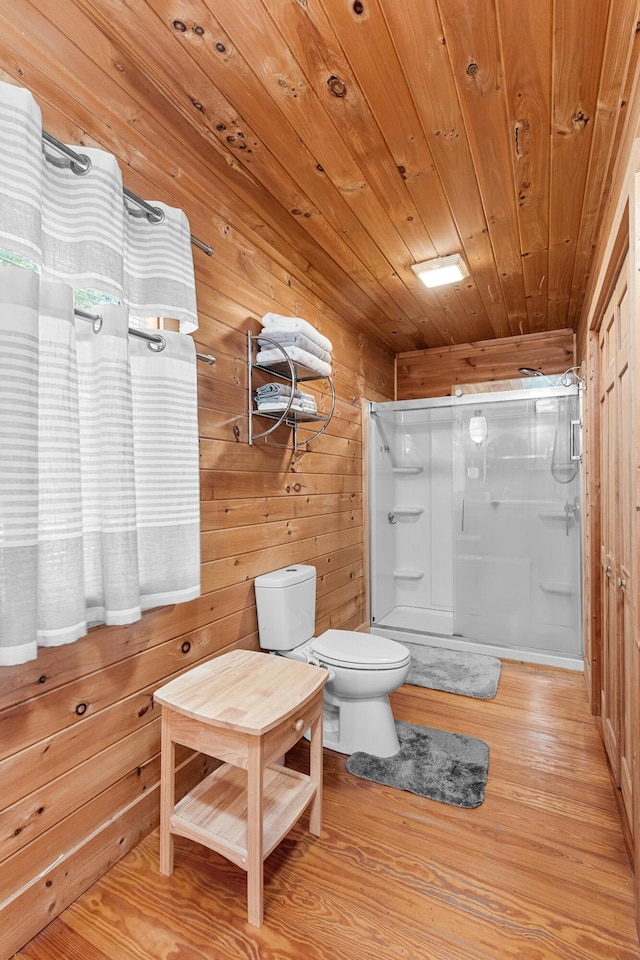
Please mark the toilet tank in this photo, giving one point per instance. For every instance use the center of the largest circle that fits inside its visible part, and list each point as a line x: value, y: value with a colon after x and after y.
x: 286, y: 604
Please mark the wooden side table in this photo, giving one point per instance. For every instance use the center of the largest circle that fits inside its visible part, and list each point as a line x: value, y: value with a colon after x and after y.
x: 246, y: 709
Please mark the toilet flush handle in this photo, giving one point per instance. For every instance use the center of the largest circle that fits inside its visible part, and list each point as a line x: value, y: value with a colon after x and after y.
x: 316, y: 663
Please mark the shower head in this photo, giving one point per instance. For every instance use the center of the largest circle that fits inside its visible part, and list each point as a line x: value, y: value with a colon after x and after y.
x: 569, y: 377
x: 532, y: 372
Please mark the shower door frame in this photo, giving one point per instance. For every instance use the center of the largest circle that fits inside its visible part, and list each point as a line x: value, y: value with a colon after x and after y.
x: 453, y: 402
x: 469, y: 399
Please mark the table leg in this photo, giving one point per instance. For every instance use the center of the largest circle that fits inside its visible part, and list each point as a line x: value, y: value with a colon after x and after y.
x: 167, y: 795
x: 255, y: 813
x: 315, y: 771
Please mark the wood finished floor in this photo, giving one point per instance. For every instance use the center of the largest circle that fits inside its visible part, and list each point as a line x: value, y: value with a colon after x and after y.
x: 539, y: 871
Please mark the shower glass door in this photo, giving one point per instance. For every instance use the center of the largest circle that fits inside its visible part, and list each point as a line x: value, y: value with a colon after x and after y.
x: 410, y: 498
x: 516, y: 520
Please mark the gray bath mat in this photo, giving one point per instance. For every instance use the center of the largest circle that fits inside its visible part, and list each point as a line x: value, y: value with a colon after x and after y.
x: 448, y: 767
x: 469, y: 674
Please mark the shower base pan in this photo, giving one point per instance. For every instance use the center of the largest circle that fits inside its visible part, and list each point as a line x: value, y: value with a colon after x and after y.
x: 418, y: 620
x: 435, y: 628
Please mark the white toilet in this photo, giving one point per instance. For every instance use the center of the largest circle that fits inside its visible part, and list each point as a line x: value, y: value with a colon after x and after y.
x: 363, y: 668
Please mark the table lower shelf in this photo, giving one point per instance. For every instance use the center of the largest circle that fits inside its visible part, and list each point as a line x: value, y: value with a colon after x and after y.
x: 214, y: 813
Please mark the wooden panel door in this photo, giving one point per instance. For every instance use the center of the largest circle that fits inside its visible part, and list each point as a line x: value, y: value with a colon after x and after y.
x: 610, y: 686
x: 619, y: 670
x: 591, y: 566
x: 625, y: 508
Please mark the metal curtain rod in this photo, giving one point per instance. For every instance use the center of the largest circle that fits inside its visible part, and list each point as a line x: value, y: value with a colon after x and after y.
x: 155, y: 340
x: 80, y: 164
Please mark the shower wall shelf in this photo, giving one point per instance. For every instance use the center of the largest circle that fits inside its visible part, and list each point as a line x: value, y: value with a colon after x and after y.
x: 555, y: 515
x: 294, y: 373
x: 564, y: 589
x: 522, y: 456
x: 408, y: 574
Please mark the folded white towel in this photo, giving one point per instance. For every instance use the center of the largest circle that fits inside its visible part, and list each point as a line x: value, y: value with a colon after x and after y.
x: 295, y: 325
x: 304, y: 400
x: 278, y: 403
x: 278, y: 406
x: 295, y: 340
x: 269, y: 357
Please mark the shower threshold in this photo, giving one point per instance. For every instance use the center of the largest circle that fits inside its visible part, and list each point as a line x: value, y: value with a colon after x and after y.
x: 434, y: 628
x: 418, y: 620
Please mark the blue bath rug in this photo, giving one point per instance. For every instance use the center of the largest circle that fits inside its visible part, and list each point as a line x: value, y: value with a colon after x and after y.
x: 448, y: 767
x: 468, y: 674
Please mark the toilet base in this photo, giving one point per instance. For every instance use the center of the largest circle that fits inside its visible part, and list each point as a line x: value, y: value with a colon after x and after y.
x: 363, y: 722
x: 352, y: 725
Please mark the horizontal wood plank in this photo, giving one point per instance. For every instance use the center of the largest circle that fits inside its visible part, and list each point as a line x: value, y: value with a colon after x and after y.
x: 435, y: 373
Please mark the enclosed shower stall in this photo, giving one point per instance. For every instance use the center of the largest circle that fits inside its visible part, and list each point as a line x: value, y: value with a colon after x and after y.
x: 475, y: 523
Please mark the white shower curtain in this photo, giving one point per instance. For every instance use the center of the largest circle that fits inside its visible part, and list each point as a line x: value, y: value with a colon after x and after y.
x: 77, y: 229
x: 99, y: 493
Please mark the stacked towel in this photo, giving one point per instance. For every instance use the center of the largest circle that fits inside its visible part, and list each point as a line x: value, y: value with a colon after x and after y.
x: 279, y: 406
x: 269, y: 391
x: 267, y: 358
x: 296, y: 340
x: 302, y: 342
x: 274, y: 398
x: 273, y: 321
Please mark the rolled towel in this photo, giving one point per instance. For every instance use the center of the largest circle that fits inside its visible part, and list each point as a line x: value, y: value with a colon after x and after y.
x: 284, y: 391
x: 296, y: 340
x: 277, y: 390
x: 295, y: 325
x: 269, y: 357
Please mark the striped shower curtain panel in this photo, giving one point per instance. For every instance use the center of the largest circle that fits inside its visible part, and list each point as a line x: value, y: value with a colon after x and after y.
x: 77, y: 228
x: 99, y: 489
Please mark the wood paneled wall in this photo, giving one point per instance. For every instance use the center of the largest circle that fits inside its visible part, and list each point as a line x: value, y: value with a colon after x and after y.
x: 79, y: 734
x: 436, y: 372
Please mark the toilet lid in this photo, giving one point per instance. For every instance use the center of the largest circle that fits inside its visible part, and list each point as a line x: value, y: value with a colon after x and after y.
x: 365, y: 650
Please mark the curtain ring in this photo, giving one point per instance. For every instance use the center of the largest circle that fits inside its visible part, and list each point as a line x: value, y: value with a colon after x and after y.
x: 96, y: 325
x: 157, y: 345
x: 81, y: 169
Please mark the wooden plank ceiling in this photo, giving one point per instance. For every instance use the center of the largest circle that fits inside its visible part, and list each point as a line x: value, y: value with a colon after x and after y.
x: 356, y: 137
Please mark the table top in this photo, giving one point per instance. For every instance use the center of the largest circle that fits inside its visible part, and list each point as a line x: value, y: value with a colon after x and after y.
x: 243, y: 690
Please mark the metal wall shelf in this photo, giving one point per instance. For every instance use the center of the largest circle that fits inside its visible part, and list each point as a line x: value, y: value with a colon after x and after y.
x: 294, y: 373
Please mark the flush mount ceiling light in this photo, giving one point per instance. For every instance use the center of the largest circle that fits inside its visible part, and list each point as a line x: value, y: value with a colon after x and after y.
x: 435, y: 273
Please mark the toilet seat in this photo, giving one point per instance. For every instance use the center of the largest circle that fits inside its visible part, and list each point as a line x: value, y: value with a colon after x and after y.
x: 364, y: 651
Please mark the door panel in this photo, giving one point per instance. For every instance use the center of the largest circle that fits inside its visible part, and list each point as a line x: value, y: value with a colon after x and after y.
x: 517, y: 523
x: 619, y: 654
x: 625, y: 508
